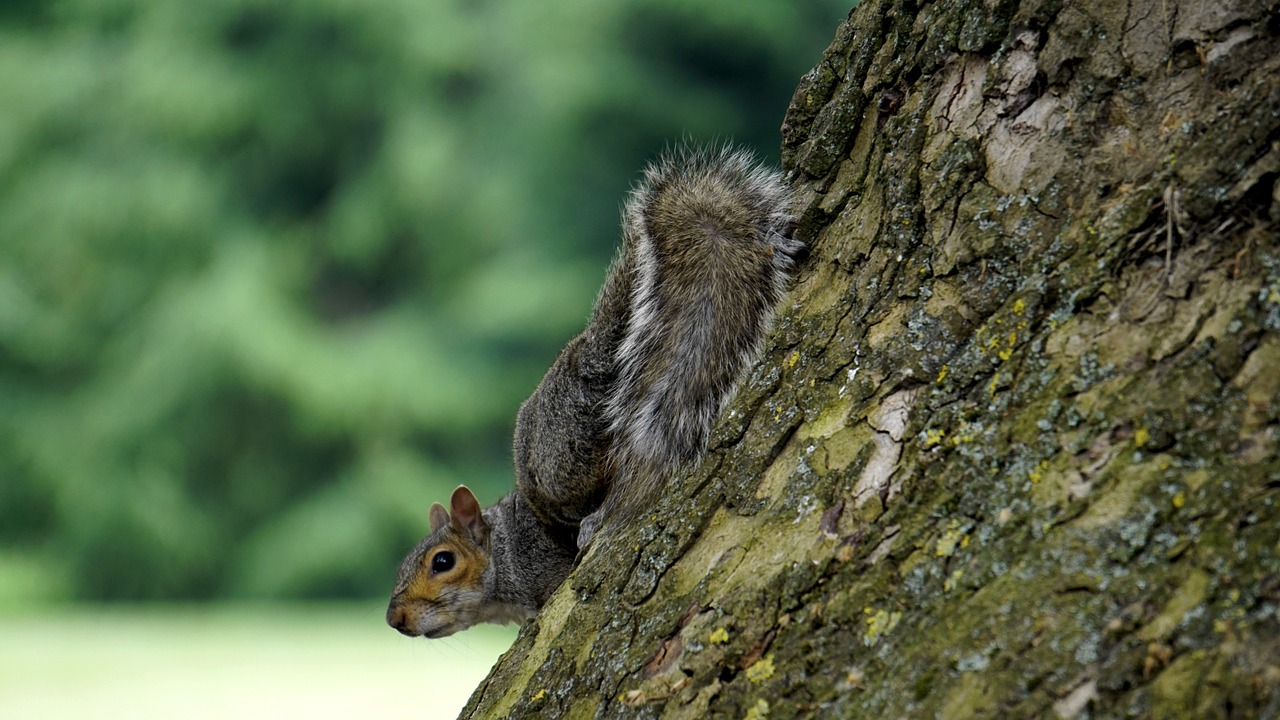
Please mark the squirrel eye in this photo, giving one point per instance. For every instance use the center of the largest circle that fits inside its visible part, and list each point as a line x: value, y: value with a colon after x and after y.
x: 442, y: 562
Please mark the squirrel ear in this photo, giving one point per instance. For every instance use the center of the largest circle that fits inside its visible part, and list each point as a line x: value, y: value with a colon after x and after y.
x: 439, y: 517
x: 466, y: 514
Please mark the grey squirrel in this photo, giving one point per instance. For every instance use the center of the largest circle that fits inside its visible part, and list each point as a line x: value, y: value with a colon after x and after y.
x: 706, y: 255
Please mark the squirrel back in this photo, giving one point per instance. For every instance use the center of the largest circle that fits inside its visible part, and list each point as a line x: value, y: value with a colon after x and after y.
x: 706, y: 255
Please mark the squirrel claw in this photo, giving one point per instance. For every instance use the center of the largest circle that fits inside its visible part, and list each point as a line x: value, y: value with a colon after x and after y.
x: 587, y: 529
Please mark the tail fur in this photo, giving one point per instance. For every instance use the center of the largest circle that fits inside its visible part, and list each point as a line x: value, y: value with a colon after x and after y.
x: 707, y: 240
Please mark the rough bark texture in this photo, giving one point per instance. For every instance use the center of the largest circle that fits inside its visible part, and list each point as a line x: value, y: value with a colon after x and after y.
x: 1013, y: 448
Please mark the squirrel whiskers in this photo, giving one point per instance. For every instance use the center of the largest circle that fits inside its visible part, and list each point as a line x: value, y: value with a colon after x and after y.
x: 706, y: 255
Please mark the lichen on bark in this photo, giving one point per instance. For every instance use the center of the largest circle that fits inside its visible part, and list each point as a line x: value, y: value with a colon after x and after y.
x: 1012, y: 450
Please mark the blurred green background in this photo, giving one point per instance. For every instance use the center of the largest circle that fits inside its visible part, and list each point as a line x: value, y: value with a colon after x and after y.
x: 276, y: 274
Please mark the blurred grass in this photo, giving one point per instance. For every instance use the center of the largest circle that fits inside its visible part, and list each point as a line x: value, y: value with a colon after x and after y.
x: 242, y: 661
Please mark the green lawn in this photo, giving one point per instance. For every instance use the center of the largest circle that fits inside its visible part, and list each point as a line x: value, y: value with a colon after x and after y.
x: 234, y: 662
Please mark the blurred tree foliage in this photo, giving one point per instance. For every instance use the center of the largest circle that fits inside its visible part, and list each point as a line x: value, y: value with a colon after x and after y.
x: 275, y: 274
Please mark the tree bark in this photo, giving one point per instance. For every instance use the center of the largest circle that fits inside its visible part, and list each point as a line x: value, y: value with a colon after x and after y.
x: 1012, y: 451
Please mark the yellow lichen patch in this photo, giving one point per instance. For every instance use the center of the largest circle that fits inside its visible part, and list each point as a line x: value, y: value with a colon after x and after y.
x: 950, y: 583
x: 1232, y: 612
x: 952, y: 539
x: 933, y: 437
x: 999, y: 340
x: 879, y: 624
x: 791, y: 360
x: 1179, y: 500
x: 761, y: 670
x: 964, y: 434
x: 538, y: 696
x: 942, y: 374
x: 778, y: 410
x: 1141, y: 437
x: 719, y: 636
x: 1036, y: 474
x: 1010, y: 343
x: 759, y: 711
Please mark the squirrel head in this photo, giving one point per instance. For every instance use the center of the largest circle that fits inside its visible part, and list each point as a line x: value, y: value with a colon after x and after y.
x: 441, y: 586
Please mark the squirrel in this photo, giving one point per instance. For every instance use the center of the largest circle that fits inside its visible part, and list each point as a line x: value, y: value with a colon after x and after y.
x: 706, y: 254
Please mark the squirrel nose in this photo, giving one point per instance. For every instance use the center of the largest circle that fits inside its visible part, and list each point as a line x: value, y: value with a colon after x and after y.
x: 398, y: 618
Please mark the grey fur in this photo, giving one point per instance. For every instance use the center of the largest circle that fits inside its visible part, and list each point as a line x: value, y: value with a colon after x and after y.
x: 705, y: 257
x: 527, y: 560
x: 709, y: 232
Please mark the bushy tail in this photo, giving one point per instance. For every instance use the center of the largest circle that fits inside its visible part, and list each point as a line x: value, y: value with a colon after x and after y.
x: 708, y: 250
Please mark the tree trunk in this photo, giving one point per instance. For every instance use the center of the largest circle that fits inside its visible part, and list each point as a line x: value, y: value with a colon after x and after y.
x: 1012, y: 451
